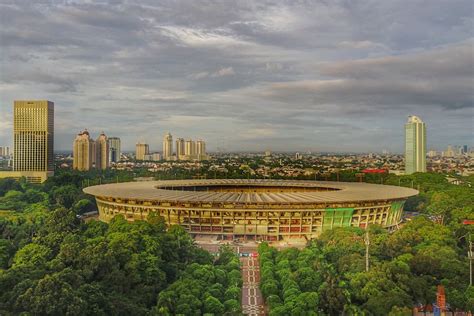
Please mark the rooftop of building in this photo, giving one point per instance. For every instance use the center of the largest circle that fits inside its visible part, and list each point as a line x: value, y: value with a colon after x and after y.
x: 253, y: 191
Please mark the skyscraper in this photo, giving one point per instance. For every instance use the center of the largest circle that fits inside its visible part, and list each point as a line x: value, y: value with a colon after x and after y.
x: 190, y: 149
x: 449, y: 152
x: 180, y: 148
x: 33, y: 135
x: 201, y: 150
x: 5, y: 151
x: 167, y: 147
x: 83, y: 152
x: 102, y: 152
x: 114, y: 149
x: 415, y: 145
x: 141, y: 150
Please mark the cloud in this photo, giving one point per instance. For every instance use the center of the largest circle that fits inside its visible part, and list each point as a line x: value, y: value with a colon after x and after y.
x: 368, y: 45
x: 218, y: 38
x: 222, y: 72
x: 441, y: 77
x: 258, y: 133
x: 228, y: 71
x: 280, y: 75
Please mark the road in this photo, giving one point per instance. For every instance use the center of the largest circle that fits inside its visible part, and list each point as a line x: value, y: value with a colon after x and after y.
x: 252, y: 300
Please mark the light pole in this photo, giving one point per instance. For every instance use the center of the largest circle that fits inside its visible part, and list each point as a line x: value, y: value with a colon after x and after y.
x: 470, y: 256
x: 367, y: 244
x: 470, y: 252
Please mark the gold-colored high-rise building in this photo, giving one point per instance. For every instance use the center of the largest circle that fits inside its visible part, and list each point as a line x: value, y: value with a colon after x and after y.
x: 190, y: 149
x: 201, y: 150
x: 180, y: 146
x: 90, y: 154
x: 141, y: 150
x: 83, y: 151
x: 33, y: 141
x: 168, y: 147
x: 33, y: 135
x: 102, y: 152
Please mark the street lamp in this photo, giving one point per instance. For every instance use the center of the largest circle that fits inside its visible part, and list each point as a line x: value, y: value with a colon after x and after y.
x: 470, y: 252
x: 470, y: 256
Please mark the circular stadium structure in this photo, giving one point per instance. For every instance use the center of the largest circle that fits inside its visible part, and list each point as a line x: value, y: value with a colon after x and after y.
x: 255, y: 209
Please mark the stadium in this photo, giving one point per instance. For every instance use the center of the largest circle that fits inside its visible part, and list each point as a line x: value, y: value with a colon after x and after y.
x: 254, y: 209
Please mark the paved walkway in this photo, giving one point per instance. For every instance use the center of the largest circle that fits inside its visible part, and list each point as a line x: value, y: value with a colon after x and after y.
x: 252, y: 300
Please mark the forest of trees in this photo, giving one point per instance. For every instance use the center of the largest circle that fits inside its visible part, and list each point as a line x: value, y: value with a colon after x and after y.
x: 56, y: 265
x: 52, y: 263
x: 329, y: 276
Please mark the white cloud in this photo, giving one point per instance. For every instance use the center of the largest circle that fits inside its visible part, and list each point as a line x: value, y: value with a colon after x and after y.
x: 194, y: 37
x: 227, y: 71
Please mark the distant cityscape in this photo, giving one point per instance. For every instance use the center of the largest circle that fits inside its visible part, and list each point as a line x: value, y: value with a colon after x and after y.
x: 33, y: 152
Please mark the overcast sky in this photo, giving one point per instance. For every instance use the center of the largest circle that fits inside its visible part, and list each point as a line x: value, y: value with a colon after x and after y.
x: 243, y: 75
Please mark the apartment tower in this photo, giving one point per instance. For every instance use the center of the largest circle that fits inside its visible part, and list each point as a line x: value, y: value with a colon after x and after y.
x: 83, y: 152
x: 115, y: 150
x: 415, y: 145
x: 168, y: 147
x: 141, y: 150
x: 102, y: 152
x: 180, y: 146
x: 201, y: 150
x: 190, y: 149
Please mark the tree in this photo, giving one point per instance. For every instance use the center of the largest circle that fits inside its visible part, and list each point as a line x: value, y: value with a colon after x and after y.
x: 232, y: 306
x: 51, y: 296
x: 84, y: 206
x: 441, y: 204
x: 32, y: 255
x: 213, y: 306
x: 65, y: 196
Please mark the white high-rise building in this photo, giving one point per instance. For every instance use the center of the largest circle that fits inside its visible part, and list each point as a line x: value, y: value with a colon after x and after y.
x: 415, y: 145
x: 168, y: 147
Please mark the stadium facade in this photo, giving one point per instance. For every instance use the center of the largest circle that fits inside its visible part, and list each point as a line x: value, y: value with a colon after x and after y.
x: 254, y: 209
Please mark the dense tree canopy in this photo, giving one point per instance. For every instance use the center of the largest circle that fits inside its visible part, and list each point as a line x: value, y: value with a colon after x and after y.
x: 52, y: 263
x: 329, y: 276
x: 70, y: 267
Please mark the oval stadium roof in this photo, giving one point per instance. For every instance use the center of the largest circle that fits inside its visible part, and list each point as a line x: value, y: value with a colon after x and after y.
x: 339, y: 192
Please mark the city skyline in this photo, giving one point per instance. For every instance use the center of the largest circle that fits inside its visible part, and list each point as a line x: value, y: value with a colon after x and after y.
x: 285, y: 77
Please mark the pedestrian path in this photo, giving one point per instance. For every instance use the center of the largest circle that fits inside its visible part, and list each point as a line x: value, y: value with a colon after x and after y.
x: 252, y: 300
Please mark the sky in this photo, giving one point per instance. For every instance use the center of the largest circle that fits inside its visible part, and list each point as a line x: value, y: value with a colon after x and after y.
x: 329, y: 75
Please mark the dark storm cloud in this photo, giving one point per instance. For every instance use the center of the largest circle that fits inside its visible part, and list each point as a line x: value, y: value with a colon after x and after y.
x: 286, y: 74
